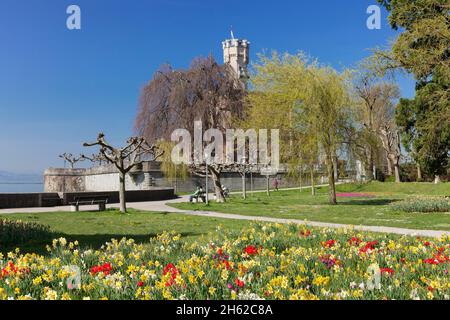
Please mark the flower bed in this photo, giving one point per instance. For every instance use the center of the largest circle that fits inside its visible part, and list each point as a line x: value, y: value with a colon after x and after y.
x: 423, y: 204
x: 14, y: 232
x: 263, y: 261
x: 354, y: 195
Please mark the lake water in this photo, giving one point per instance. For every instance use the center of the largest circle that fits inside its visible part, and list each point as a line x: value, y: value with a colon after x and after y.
x: 21, y: 187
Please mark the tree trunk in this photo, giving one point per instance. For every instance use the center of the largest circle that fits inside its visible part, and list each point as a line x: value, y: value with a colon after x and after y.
x: 437, y: 179
x: 244, y: 187
x: 419, y: 173
x: 369, y: 171
x: 331, y: 182
x: 176, y: 184
x: 397, y: 171
x: 313, y: 188
x: 301, y: 180
x: 335, y: 167
x: 389, y: 166
x: 123, y: 205
x: 217, y: 186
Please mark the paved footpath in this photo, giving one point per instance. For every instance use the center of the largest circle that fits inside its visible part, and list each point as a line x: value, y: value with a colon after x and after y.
x: 162, y: 206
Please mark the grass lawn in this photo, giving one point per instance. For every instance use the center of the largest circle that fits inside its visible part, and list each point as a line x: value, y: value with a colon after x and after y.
x: 373, y: 210
x: 93, y: 229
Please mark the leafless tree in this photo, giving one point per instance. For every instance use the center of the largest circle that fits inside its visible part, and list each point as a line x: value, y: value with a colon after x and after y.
x: 95, y: 158
x: 214, y: 171
x: 385, y: 127
x: 367, y: 142
x: 71, y: 159
x: 243, y: 169
x: 376, y: 114
x: 390, y: 138
x: 125, y: 158
x: 206, y: 92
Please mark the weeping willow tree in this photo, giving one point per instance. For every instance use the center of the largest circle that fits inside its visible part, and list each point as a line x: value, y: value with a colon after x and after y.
x: 308, y: 102
x: 325, y: 114
x: 301, y: 166
x: 172, y: 172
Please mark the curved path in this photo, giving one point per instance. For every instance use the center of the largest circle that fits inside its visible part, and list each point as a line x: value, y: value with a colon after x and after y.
x: 162, y: 206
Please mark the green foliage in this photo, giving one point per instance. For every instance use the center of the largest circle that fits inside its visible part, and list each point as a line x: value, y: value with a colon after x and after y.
x: 19, y: 232
x: 308, y: 101
x: 381, y: 177
x: 425, y: 126
x: 409, y: 172
x: 423, y: 204
x: 276, y: 91
x: 423, y: 49
x: 171, y: 170
x: 424, y: 45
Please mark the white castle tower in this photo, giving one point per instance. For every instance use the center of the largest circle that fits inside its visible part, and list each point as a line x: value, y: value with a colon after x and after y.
x: 236, y: 54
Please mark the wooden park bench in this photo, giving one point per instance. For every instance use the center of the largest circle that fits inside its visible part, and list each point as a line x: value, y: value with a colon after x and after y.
x: 101, y: 201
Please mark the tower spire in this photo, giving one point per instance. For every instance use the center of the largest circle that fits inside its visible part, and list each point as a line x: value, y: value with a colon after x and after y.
x: 236, y: 54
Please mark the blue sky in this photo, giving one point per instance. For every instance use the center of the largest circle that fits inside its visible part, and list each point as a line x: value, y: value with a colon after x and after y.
x: 59, y: 88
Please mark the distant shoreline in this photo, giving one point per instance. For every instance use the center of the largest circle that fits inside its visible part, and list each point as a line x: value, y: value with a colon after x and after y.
x: 21, y: 187
x: 21, y: 183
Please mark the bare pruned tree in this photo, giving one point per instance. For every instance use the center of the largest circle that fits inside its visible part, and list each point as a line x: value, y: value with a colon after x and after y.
x: 71, y: 159
x: 243, y: 169
x: 95, y: 158
x: 214, y: 171
x: 125, y: 158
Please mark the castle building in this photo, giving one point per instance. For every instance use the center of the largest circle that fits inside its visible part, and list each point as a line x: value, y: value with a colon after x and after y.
x: 236, y: 54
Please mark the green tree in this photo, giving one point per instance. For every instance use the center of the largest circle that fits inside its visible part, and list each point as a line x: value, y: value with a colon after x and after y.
x: 304, y: 159
x: 424, y: 45
x: 325, y: 113
x: 172, y: 172
x: 278, y: 83
x: 423, y: 49
x: 310, y: 104
x: 425, y: 123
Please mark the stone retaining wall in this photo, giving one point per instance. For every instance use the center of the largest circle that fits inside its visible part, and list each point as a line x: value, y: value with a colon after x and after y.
x: 51, y: 199
x: 106, y: 178
x: 28, y: 200
x: 131, y: 196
